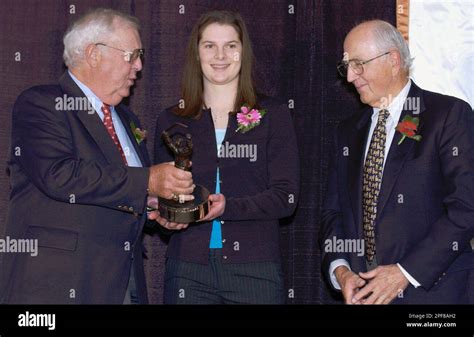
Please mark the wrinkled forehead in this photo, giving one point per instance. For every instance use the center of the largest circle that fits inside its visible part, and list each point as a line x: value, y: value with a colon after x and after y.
x: 126, y: 33
x: 359, y: 44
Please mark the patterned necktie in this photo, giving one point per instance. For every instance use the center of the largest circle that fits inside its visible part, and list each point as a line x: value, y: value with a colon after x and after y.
x: 109, y: 125
x: 372, y: 181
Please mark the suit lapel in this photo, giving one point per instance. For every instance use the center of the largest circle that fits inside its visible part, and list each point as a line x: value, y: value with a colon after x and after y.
x: 397, y: 154
x: 356, y: 166
x: 92, y: 122
x: 96, y: 129
x: 231, y: 127
x: 126, y: 121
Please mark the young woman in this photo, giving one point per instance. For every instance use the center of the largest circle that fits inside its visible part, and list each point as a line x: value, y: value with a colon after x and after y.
x: 245, y: 152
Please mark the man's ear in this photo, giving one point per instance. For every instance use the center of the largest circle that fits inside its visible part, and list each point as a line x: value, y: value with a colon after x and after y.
x: 395, y: 61
x: 92, y: 55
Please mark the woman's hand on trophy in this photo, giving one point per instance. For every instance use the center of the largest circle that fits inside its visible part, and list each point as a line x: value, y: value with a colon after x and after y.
x: 155, y: 215
x: 169, y: 182
x: 151, y: 203
x: 217, y: 207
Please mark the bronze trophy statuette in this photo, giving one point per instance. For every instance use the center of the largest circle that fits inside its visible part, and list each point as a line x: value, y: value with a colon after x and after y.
x: 177, y: 210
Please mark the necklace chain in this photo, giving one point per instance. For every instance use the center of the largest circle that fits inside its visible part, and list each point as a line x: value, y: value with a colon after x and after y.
x: 215, y: 118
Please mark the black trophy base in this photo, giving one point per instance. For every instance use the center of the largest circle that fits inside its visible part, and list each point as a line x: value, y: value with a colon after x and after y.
x: 189, y: 211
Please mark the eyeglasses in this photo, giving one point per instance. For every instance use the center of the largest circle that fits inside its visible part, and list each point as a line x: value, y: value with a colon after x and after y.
x: 128, y: 56
x: 357, y: 66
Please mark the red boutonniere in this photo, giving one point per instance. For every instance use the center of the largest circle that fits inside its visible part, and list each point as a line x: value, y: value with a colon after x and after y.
x: 248, y: 119
x: 140, y: 134
x: 408, y: 127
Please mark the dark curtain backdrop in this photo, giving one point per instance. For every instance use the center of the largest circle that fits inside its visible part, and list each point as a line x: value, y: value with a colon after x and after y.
x: 296, y: 57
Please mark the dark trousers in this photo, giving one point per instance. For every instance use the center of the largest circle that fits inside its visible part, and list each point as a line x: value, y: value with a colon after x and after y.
x: 131, y: 296
x: 223, y: 283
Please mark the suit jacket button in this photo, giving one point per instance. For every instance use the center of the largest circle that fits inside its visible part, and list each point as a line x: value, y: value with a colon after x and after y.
x: 224, y: 257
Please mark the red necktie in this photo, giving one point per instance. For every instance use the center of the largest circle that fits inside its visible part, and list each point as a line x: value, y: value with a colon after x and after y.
x: 109, y: 125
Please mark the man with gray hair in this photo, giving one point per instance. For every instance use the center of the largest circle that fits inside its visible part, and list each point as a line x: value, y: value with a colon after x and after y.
x: 80, y: 175
x: 401, y: 180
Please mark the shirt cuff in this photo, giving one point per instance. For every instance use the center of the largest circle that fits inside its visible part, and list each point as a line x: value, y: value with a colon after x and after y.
x: 409, y: 277
x: 332, y: 267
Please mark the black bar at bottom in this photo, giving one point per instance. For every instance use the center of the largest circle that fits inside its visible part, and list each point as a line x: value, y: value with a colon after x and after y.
x: 289, y: 320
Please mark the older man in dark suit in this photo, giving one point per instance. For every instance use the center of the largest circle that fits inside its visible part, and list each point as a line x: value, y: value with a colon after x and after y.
x: 401, y: 181
x: 79, y: 174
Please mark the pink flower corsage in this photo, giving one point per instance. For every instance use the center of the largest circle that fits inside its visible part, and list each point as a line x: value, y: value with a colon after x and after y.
x: 248, y: 119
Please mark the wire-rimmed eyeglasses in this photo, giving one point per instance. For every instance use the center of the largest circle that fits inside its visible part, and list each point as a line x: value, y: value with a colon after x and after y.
x: 357, y: 66
x: 128, y: 56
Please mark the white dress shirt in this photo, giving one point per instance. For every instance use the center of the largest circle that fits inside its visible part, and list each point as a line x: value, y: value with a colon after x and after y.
x: 395, y: 108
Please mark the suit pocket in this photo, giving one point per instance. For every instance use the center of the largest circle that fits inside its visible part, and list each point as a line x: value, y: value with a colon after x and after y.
x: 51, y: 237
x: 464, y: 261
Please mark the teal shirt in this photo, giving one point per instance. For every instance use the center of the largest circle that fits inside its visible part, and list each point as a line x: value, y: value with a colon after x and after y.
x: 216, y: 233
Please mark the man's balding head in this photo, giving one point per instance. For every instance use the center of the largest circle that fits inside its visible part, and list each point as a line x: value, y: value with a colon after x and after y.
x: 383, y: 77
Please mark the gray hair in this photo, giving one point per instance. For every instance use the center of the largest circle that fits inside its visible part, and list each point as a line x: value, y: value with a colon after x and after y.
x: 388, y: 37
x: 91, y: 28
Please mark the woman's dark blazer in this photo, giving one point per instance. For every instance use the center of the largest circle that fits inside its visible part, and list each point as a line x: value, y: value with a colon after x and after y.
x: 259, y: 191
